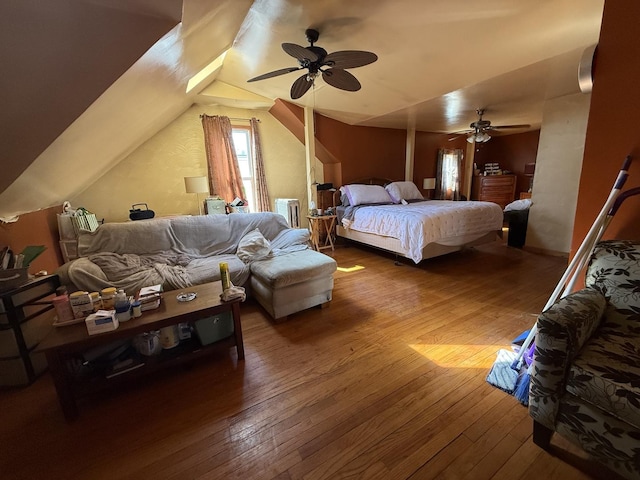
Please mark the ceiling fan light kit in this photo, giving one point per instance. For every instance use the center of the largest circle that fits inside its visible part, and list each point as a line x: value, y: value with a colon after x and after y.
x: 480, y: 129
x: 317, y: 61
x: 478, y: 137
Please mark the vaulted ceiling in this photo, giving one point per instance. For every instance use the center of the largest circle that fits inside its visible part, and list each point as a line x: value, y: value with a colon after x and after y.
x: 85, y: 82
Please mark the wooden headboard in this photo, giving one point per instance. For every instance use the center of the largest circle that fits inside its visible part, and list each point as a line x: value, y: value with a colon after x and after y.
x: 372, y: 181
x: 363, y: 181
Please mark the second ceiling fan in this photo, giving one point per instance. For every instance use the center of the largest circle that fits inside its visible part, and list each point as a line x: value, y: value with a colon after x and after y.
x: 480, y: 130
x: 317, y: 61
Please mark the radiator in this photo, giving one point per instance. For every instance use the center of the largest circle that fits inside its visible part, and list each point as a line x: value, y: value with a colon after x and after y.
x: 289, y: 208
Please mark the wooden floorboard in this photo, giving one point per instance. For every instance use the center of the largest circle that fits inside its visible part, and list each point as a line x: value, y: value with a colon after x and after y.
x: 386, y: 383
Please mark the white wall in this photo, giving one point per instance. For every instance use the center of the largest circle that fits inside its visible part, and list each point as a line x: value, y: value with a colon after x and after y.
x: 557, y: 175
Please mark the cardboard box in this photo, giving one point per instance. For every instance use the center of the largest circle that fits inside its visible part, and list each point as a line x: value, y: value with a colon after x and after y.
x: 101, y: 321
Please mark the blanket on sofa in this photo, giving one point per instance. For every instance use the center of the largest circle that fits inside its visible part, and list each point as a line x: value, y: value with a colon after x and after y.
x: 155, y: 269
x: 175, y: 252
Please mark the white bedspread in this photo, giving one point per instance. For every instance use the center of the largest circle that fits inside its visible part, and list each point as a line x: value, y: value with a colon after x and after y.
x: 435, y: 221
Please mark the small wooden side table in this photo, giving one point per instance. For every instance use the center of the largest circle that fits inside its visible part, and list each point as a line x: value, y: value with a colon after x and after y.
x: 316, y: 225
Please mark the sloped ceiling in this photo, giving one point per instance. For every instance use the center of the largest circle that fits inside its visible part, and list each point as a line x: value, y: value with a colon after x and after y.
x: 88, y: 81
x: 58, y: 57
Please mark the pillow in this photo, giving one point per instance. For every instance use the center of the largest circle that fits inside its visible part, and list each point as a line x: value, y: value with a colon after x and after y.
x: 363, y: 194
x: 399, y: 191
x: 253, y: 246
x: 523, y: 204
x: 344, y: 200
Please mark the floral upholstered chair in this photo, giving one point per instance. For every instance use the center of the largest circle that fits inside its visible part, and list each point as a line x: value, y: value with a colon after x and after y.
x: 585, y: 381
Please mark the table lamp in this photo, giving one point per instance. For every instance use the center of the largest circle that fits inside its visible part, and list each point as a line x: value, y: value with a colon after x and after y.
x: 197, y: 185
x: 429, y: 184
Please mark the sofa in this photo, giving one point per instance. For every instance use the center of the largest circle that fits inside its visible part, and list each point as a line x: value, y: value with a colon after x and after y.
x: 585, y: 376
x: 260, y: 249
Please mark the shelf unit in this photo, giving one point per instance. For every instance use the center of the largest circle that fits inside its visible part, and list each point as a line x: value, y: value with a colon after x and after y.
x: 25, y: 319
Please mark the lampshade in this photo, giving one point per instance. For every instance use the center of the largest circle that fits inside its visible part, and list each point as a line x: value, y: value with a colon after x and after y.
x: 429, y: 184
x: 196, y: 184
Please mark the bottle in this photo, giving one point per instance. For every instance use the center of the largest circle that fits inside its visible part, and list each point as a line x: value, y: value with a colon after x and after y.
x: 63, y: 308
x: 224, y: 276
x: 136, y: 309
x: 123, y: 307
x: 96, y: 301
x: 107, y: 296
x: 80, y: 304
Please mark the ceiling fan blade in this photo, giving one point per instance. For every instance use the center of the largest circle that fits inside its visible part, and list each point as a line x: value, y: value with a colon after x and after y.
x: 300, y: 87
x: 349, y: 59
x: 502, y: 127
x: 336, y: 77
x: 301, y: 53
x: 461, y: 132
x: 275, y: 73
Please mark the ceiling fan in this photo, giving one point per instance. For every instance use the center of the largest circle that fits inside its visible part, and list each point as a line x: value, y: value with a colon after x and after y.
x: 481, y: 129
x: 315, y: 59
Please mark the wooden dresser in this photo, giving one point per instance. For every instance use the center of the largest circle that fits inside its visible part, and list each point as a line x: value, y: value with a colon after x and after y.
x: 500, y: 189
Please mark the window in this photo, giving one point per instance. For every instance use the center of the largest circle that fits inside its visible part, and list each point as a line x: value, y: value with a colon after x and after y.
x: 448, y: 174
x: 242, y: 145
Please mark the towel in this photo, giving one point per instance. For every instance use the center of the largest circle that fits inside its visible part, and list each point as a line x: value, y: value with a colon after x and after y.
x: 233, y: 293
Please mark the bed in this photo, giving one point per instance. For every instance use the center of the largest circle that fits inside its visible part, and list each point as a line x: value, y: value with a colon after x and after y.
x: 398, y: 219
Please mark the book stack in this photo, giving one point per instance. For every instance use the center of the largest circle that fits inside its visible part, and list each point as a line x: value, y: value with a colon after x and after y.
x: 150, y: 297
x: 492, y: 169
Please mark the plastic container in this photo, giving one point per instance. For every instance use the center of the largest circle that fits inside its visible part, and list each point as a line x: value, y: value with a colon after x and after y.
x: 212, y: 329
x: 169, y: 337
x: 148, y: 343
x: 63, y: 308
x: 80, y: 304
x: 108, y: 297
x: 122, y: 306
x: 136, y: 309
x: 96, y: 301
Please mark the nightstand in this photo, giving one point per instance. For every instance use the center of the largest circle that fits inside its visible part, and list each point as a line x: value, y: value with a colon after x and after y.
x: 317, y: 224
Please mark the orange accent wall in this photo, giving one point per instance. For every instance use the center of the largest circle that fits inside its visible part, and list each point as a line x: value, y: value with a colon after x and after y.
x: 35, y: 228
x: 612, y: 128
x: 512, y: 152
x: 363, y: 151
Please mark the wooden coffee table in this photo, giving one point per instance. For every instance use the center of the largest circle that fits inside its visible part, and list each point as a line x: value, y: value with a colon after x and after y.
x: 64, y: 342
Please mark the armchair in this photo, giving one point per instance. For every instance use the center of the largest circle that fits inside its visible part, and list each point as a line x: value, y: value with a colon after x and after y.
x: 585, y: 377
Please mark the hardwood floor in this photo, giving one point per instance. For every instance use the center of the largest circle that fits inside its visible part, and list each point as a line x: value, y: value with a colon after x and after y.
x: 386, y: 383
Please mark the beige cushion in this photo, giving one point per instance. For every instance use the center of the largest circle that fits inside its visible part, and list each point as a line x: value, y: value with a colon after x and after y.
x: 291, y: 268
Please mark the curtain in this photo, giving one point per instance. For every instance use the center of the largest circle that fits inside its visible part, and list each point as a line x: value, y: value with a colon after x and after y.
x: 224, y: 174
x: 448, y: 174
x: 262, y: 193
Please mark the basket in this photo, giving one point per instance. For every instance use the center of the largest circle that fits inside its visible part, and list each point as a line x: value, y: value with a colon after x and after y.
x: 84, y: 221
x: 13, y: 278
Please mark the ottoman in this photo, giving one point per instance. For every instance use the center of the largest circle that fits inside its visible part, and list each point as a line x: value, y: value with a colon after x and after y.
x: 292, y: 282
